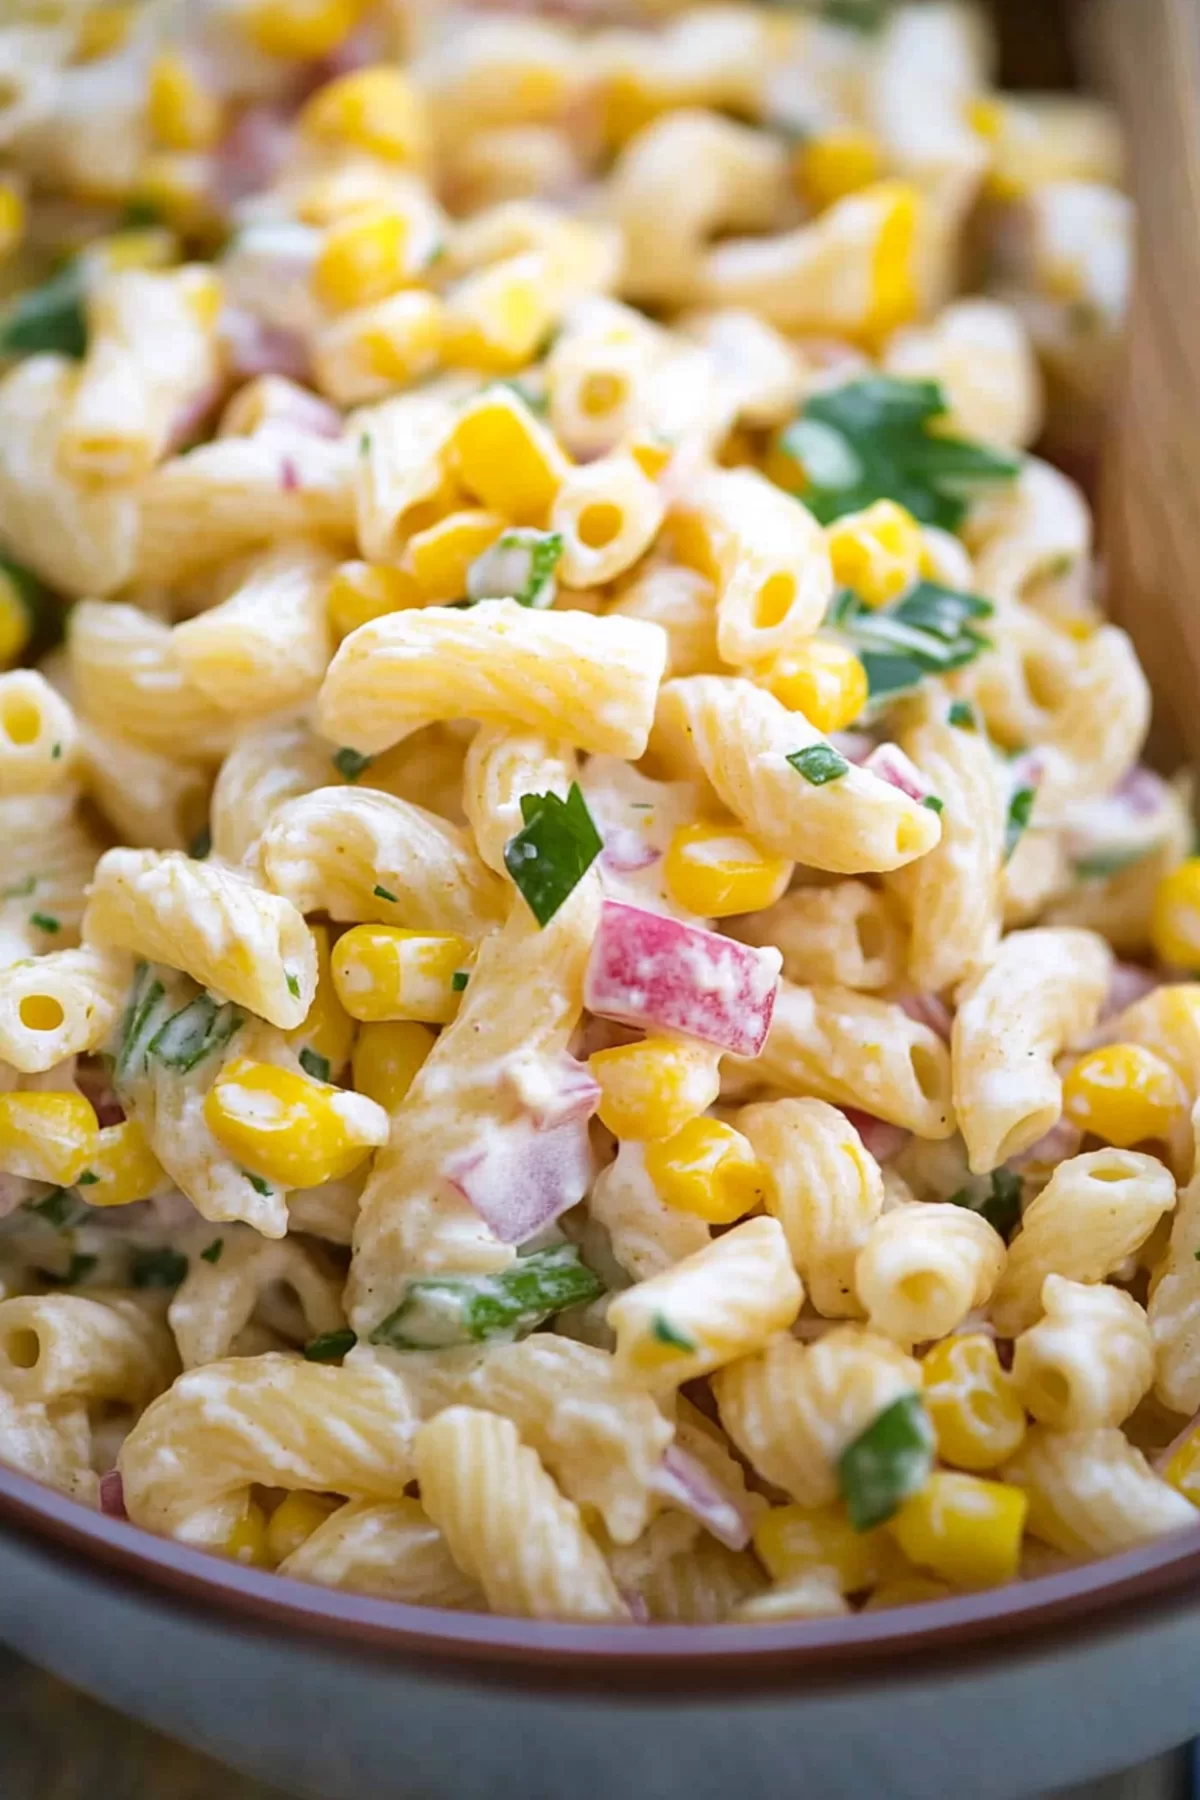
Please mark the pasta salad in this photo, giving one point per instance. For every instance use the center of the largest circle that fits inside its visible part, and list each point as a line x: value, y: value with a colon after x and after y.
x: 597, y: 1014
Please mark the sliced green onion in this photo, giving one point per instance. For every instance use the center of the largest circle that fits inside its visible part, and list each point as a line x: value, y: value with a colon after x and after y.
x: 315, y: 1065
x: 331, y: 1346
x: 887, y: 1462
x: 438, y: 1311
x: 819, y: 764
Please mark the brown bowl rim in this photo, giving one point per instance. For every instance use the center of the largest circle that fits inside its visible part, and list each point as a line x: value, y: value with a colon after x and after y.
x: 1120, y: 1590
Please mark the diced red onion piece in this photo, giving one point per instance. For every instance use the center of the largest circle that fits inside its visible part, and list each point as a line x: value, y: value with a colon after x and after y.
x: 1057, y: 1145
x: 626, y: 851
x: 91, y: 1078
x: 646, y: 969
x: 251, y: 154
x: 890, y: 764
x: 190, y: 418
x: 112, y: 1495
x: 522, y: 1179
x: 880, y: 1139
x: 1142, y: 791
x: 927, y: 1009
x: 855, y: 746
x: 1027, y: 770
x: 683, y: 1479
x: 1127, y: 983
x: 289, y: 475
x: 255, y: 348
x: 639, y: 1611
x: 554, y: 1092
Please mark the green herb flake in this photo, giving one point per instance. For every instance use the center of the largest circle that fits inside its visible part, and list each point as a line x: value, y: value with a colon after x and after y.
x: 258, y: 1184
x: 887, y: 1462
x: 999, y: 1202
x: 962, y: 716
x: 61, y: 1210
x: 77, y: 1270
x: 553, y: 851
x: 42, y: 609
x: 819, y: 764
x: 364, y: 443
x: 664, y: 1332
x: 459, y: 980
x: 934, y: 804
x: 520, y: 565
x: 350, y: 763
x: 195, y: 1032
x: 1020, y: 809
x: 45, y: 921
x: 89, y: 1178
x: 875, y: 439
x: 139, y: 215
x: 314, y: 1064
x: 293, y: 984
x: 56, y: 753
x: 438, y: 1311
x: 331, y: 1346
x: 20, y: 890
x: 382, y: 893
x: 143, y: 1017
x: 213, y: 1253
x: 50, y: 317
x: 158, y: 1268
x: 201, y: 845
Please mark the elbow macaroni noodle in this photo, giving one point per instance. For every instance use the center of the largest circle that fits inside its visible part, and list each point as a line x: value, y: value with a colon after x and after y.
x: 542, y: 550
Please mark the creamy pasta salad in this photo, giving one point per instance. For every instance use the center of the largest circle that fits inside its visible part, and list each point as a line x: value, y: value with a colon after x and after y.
x: 596, y: 1007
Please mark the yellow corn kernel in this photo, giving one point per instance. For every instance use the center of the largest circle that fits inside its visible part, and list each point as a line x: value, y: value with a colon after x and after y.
x: 792, y: 1539
x: 652, y: 1088
x: 439, y: 557
x: 102, y: 30
x: 47, y: 1136
x: 365, y: 258
x: 877, y: 552
x: 16, y: 621
x: 294, y: 1521
x: 387, y: 1059
x: 181, y: 112
x: 709, y: 1169
x: 1183, y: 1470
x: 289, y: 1130
x: 12, y: 217
x: 327, y: 1032
x: 650, y: 453
x: 506, y: 458
x: 359, y: 591
x: 385, y: 972
x: 718, y: 871
x: 907, y: 1590
x: 963, y: 1528
x: 125, y: 1167
x: 1175, y: 919
x: 399, y: 338
x: 1124, y: 1094
x: 301, y: 28
x: 894, y: 296
x: 977, y: 1416
x: 377, y: 110
x: 247, y: 1542
x: 497, y: 318
x: 141, y: 247
x: 824, y: 680
x: 841, y: 162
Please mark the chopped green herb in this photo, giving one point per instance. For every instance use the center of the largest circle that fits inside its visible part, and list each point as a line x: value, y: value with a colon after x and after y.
x: 866, y: 16
x: 459, y: 980
x: 440, y: 1310
x: 89, y: 1178
x: 1111, y: 862
x: 331, y: 1346
x: 819, y: 764
x: 930, y: 631
x: 364, y: 443
x: 213, y: 1253
x: 197, y: 1030
x: 258, y: 1184
x: 553, y: 851
x: 139, y: 215
x: 143, y: 1017
x: 49, y: 317
x: 1020, y: 807
x: 871, y: 440
x: 61, y: 1209
x: 293, y: 984
x: 934, y: 804
x: 350, y: 763
x: 998, y: 1200
x: 962, y: 716
x: 201, y: 845
x: 45, y: 921
x: 158, y: 1268
x: 887, y: 1462
x: 20, y: 890
x: 315, y: 1065
x: 56, y: 753
x: 520, y: 565
x: 665, y: 1333
x: 382, y: 893
x: 77, y: 1270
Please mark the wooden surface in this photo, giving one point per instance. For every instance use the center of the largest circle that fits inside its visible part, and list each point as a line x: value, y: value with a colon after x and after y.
x: 1147, y: 53
x: 56, y: 1744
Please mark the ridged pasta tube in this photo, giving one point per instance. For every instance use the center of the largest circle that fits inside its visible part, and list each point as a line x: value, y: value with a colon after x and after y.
x: 647, y: 1235
x: 1042, y: 990
x: 129, y: 680
x: 50, y: 1443
x: 271, y: 762
x: 216, y: 1300
x: 506, y: 1523
x: 591, y: 681
x: 355, y: 853
x: 1092, y: 1494
x: 148, y: 797
x: 924, y: 1268
x: 191, y: 1459
x: 502, y: 765
x: 740, y: 738
x: 59, y: 1005
x: 390, y: 1548
x: 1088, y: 1360
x: 792, y: 1409
x: 37, y: 734
x: 825, y: 1189
x: 1174, y: 1304
x: 252, y: 947
x: 1094, y: 1211
x: 49, y: 856
x: 68, y: 1346
x: 268, y: 645
x: 846, y: 935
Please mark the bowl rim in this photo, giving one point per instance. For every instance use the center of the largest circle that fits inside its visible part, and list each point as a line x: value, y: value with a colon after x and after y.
x: 754, y: 1658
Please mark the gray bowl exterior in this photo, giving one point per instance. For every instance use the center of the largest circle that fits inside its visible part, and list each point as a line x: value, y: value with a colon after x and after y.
x: 348, y: 1722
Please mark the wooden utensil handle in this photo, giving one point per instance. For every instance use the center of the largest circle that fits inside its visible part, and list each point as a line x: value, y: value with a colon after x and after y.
x: 1148, y: 54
